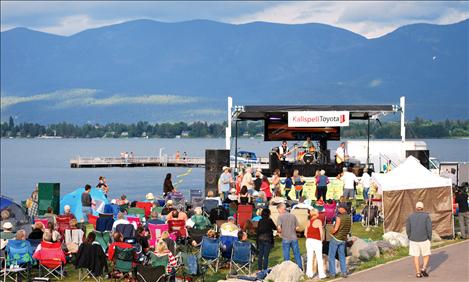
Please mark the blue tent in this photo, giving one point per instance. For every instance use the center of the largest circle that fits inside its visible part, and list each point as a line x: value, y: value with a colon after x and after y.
x: 73, y: 199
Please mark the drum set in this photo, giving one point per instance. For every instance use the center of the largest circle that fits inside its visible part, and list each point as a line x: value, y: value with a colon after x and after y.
x: 308, y: 155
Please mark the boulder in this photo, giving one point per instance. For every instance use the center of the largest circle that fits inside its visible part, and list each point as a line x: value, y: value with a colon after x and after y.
x: 369, y: 252
x: 358, y: 244
x: 384, y: 246
x: 285, y: 272
x: 396, y: 239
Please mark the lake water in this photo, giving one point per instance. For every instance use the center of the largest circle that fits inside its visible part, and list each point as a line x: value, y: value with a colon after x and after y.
x: 24, y: 162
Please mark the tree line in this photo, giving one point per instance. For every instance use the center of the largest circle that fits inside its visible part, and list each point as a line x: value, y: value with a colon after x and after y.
x: 418, y: 128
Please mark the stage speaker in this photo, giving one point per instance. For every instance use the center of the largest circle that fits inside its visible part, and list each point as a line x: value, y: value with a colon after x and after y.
x: 215, y: 160
x: 422, y: 155
x: 274, y: 162
x: 49, y: 196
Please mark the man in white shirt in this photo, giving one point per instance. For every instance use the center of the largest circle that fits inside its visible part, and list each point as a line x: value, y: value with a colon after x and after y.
x: 224, y: 182
x: 340, y: 156
x: 247, y: 180
x: 366, y: 180
x: 349, y: 180
x: 121, y: 220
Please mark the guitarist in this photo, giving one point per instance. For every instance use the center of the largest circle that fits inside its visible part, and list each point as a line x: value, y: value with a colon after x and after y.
x: 283, y: 151
x: 340, y: 156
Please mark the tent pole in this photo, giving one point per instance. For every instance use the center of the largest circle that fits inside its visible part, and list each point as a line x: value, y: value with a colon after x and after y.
x: 236, y: 145
x: 368, y: 145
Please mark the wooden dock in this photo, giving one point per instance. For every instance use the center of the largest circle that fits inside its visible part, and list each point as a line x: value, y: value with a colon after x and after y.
x: 93, y: 162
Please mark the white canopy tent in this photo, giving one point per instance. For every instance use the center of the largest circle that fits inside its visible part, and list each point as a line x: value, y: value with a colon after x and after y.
x: 409, y: 183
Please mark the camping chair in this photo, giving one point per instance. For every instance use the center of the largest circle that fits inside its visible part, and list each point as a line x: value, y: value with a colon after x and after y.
x: 227, y: 245
x: 210, y: 252
x: 92, y: 219
x: 195, y: 193
x: 63, y: 222
x: 178, y: 227
x: 89, y: 228
x: 244, y: 214
x: 148, y: 273
x: 197, y: 234
x: 86, y: 262
x: 104, y: 239
x: 44, y: 221
x: 156, y: 230
x: 191, y: 267
x: 123, y: 260
x: 19, y: 256
x: 140, y: 213
x: 146, y: 206
x: 209, y: 205
x: 105, y: 223
x: 74, y: 238
x: 127, y: 230
x: 158, y: 209
x: 34, y: 243
x: 135, y: 219
x: 241, y: 257
x: 51, y: 259
x: 197, y: 202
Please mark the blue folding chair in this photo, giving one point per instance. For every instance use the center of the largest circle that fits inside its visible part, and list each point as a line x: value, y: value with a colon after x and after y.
x: 19, y: 254
x: 241, y: 257
x: 195, y: 194
x: 227, y: 245
x: 210, y: 252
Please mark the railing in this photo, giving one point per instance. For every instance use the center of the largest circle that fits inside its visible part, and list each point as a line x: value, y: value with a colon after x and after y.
x: 387, y: 159
x: 135, y: 160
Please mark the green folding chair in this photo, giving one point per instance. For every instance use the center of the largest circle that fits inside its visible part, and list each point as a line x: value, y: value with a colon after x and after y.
x: 88, y: 229
x: 137, y: 212
x: 104, y: 239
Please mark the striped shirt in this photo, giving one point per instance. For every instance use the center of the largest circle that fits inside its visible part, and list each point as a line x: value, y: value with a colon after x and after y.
x: 172, y: 262
x: 344, y: 227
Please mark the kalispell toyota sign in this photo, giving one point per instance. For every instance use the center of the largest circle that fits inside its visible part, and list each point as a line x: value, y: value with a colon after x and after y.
x: 318, y: 119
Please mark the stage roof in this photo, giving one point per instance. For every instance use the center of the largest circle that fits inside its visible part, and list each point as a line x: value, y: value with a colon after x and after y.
x: 263, y: 112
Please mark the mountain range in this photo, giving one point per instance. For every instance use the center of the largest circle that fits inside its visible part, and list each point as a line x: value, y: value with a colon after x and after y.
x: 155, y: 71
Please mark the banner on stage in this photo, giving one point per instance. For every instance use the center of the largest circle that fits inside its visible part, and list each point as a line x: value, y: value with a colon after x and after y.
x: 318, y: 119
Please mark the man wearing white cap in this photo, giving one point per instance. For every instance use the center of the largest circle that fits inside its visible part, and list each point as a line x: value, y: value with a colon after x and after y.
x: 224, y: 182
x: 7, y: 232
x: 419, y: 232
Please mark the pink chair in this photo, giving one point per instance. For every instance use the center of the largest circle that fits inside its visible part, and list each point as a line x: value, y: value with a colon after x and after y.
x: 133, y: 219
x: 156, y: 230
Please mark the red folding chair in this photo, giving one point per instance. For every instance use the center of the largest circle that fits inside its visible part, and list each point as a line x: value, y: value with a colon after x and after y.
x: 135, y: 219
x: 178, y: 227
x: 92, y: 219
x: 51, y: 259
x: 145, y: 206
x: 63, y: 222
x: 44, y: 221
x: 244, y: 214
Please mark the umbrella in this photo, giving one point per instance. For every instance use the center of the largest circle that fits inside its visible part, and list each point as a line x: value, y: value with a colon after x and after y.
x: 73, y: 199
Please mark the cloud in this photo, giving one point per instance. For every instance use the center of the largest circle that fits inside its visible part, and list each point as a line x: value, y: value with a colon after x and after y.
x: 375, y: 83
x: 370, y: 19
x: 86, y: 97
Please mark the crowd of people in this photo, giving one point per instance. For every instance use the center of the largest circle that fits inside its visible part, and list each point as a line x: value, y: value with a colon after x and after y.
x: 220, y: 219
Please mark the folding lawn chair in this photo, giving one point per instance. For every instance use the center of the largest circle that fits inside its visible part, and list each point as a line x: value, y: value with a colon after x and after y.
x: 241, y: 258
x: 92, y: 219
x: 91, y: 262
x: 244, y: 214
x: 210, y: 252
x: 63, y: 222
x: 191, y: 267
x: 227, y: 245
x: 140, y: 213
x: 124, y: 261
x: 127, y: 230
x: 156, y: 230
x: 19, y: 256
x: 51, y: 259
x: 104, y: 239
x: 146, y: 206
x: 148, y: 273
x: 178, y: 227
x: 209, y: 205
x: 195, y: 193
x: 197, y: 202
x: 197, y: 234
x: 105, y: 223
x: 89, y: 228
x: 135, y: 219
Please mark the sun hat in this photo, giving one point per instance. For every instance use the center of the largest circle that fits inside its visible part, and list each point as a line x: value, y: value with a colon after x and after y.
x: 419, y: 205
x: 225, y: 168
x: 7, y: 225
x: 150, y: 196
x: 169, y: 202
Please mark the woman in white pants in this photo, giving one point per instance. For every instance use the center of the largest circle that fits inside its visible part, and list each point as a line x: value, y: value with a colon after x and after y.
x: 314, y: 234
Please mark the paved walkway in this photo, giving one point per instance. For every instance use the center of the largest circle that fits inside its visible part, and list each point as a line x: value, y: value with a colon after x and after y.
x: 450, y: 263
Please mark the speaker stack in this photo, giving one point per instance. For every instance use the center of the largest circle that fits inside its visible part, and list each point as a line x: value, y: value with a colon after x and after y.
x: 421, y: 155
x: 215, y: 160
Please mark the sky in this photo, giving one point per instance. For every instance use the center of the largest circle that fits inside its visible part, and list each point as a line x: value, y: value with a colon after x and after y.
x: 368, y: 18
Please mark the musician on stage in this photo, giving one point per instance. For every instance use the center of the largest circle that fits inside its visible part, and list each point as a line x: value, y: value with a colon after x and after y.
x: 308, y: 144
x: 340, y: 156
x: 283, y: 151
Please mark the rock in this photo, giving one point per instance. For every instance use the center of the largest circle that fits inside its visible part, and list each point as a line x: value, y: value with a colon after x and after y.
x: 358, y: 244
x: 384, y: 246
x: 435, y: 236
x: 285, y: 272
x: 368, y: 252
x: 396, y: 239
